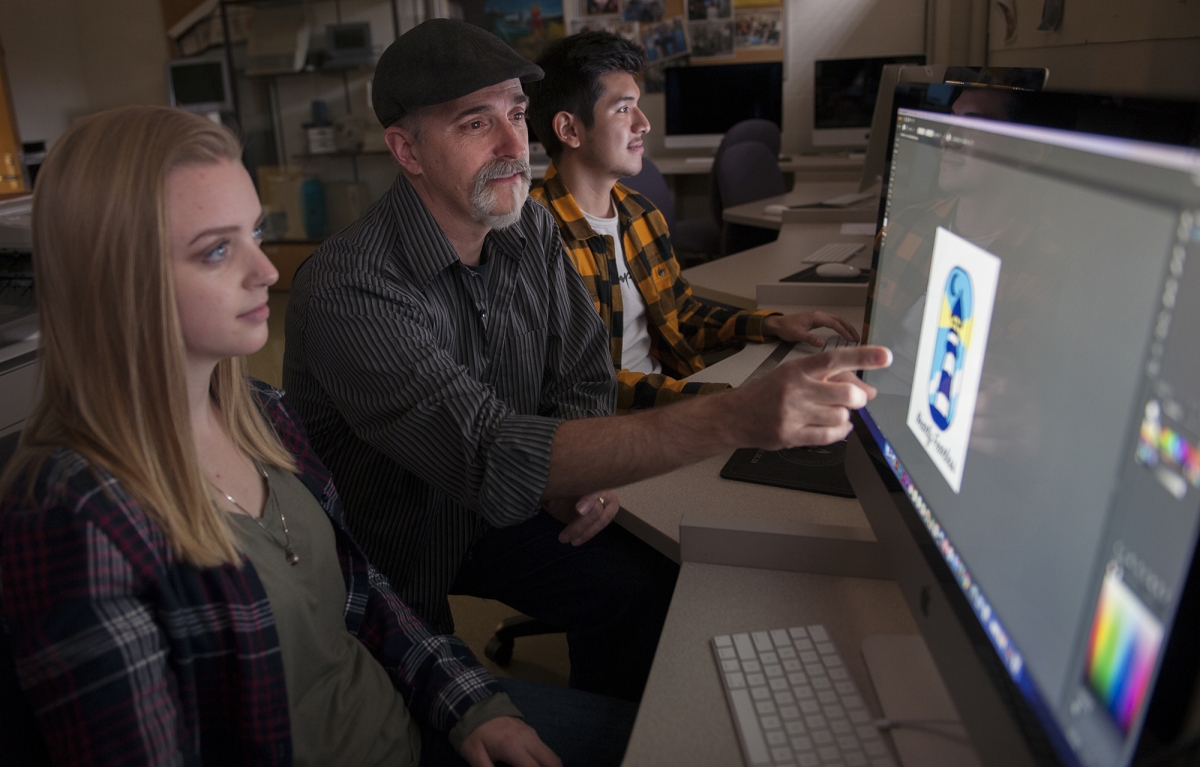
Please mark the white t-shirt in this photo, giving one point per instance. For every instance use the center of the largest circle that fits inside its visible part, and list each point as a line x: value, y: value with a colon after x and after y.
x: 635, y: 339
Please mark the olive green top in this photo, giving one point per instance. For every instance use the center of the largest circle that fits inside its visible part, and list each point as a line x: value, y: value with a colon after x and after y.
x: 343, y: 707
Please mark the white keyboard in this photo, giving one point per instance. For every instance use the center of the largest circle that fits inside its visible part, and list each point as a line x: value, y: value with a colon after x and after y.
x: 834, y: 252
x: 794, y: 702
x: 837, y: 342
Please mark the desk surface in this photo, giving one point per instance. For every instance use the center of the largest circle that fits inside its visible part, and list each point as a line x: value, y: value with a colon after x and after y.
x: 735, y: 279
x: 653, y: 508
x: 753, y: 214
x: 683, y: 718
x: 798, y: 164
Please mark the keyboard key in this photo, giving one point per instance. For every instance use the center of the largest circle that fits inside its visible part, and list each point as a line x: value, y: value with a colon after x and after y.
x: 770, y: 722
x: 784, y: 698
x: 838, y: 674
x: 789, y: 712
x: 847, y: 743
x: 776, y: 738
x: 828, y: 753
x: 835, y: 712
x: 816, y: 721
x: 773, y: 670
x: 818, y: 633
x: 762, y: 641
x: 827, y: 697
x: 765, y: 707
x: 722, y: 641
x: 778, y: 685
x: 813, y: 669
x: 819, y: 682
x: 781, y: 755
x: 786, y: 652
x: 760, y: 693
x: 798, y: 632
x: 802, y: 691
x: 768, y: 657
x: 826, y: 648
x: 745, y: 648
x: 804, y: 645
x: 856, y: 759
x: 845, y: 688
x: 725, y: 653
x: 752, y: 735
x: 852, y: 701
x: 821, y: 737
x: 807, y: 760
x: 810, y: 706
x: 792, y: 665
x: 729, y: 665
x: 751, y: 666
x: 756, y: 680
x: 802, y: 744
x: 797, y: 678
x: 810, y: 657
x: 781, y: 638
x: 840, y: 726
x: 795, y: 728
x: 735, y: 681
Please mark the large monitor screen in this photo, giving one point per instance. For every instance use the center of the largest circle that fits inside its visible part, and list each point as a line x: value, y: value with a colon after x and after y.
x: 1039, y: 289
x: 844, y: 90
x: 706, y: 101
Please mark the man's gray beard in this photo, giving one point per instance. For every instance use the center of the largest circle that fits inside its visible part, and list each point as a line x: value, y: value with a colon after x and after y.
x: 484, y: 197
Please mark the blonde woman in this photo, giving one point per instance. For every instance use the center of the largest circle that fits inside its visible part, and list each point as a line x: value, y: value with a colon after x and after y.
x: 177, y: 583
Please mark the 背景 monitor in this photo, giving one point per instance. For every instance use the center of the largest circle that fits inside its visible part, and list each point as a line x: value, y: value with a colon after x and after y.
x: 704, y: 102
x: 199, y: 85
x: 844, y: 93
x: 1031, y: 463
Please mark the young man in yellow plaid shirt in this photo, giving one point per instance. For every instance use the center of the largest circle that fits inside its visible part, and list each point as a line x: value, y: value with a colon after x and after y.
x: 586, y: 113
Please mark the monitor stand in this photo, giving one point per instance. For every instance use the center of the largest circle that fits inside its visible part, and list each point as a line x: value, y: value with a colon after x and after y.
x: 910, y: 690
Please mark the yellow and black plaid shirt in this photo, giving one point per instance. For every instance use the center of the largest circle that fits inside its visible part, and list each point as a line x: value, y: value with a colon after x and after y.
x: 680, y: 326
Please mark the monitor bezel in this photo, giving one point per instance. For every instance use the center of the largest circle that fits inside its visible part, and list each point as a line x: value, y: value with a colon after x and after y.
x: 1002, y: 723
x: 203, y: 107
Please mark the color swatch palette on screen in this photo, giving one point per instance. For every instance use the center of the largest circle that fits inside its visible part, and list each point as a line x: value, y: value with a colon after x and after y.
x: 1123, y: 649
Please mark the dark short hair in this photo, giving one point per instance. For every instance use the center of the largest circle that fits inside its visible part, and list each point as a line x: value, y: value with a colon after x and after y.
x: 574, y: 66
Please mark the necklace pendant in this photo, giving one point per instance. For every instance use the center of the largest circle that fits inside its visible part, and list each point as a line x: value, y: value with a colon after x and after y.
x: 292, y: 556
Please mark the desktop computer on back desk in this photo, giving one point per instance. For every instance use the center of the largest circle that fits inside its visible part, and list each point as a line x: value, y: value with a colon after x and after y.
x: 1032, y: 461
x: 1031, y: 464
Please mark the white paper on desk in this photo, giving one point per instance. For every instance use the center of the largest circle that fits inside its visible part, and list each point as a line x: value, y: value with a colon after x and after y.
x: 859, y: 229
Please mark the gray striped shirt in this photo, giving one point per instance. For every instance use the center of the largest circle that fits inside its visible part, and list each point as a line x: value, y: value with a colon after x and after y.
x: 431, y: 391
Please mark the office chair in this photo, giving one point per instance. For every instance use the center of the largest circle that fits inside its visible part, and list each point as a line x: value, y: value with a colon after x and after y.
x: 651, y: 184
x: 745, y: 173
x: 704, y: 235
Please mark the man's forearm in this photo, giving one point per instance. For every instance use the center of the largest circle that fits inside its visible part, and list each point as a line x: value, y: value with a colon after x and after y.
x: 609, y: 452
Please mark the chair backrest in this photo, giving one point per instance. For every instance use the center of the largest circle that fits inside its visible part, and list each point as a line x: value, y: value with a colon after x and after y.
x: 650, y: 183
x: 748, y: 172
x: 763, y: 132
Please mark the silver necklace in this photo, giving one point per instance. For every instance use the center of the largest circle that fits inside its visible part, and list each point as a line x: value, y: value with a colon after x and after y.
x: 288, y: 551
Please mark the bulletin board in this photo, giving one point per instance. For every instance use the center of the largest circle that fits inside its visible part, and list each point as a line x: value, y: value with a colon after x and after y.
x: 691, y: 32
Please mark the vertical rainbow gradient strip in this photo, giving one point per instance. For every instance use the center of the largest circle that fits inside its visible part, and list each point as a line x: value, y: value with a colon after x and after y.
x: 1122, y: 651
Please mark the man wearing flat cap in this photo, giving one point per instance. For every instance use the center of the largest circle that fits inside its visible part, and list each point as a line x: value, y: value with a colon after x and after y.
x: 453, y: 374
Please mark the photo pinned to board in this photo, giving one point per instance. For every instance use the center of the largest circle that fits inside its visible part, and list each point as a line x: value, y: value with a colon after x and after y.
x: 644, y: 11
x: 701, y: 10
x: 959, y: 299
x: 598, y: 8
x: 711, y: 39
x: 758, y: 30
x: 616, y: 25
x: 664, y: 40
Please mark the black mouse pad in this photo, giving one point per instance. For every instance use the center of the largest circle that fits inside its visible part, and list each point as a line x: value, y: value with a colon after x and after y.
x: 810, y: 275
x: 815, y: 469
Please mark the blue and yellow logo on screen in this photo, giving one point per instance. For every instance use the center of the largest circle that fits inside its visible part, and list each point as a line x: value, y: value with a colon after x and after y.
x: 955, y: 322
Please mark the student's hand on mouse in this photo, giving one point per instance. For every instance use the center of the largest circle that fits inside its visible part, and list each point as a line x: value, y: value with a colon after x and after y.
x: 508, y: 740
x: 806, y: 401
x: 584, y: 516
x: 795, y: 327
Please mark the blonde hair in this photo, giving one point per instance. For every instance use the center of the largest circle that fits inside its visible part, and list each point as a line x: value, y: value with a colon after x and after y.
x: 112, y: 350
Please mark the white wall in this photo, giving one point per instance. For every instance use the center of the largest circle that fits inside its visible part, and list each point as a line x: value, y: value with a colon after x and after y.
x: 69, y: 58
x: 1147, y: 47
x: 823, y: 29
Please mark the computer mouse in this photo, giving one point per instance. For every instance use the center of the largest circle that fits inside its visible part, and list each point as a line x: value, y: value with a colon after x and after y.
x: 838, y: 270
x: 775, y: 210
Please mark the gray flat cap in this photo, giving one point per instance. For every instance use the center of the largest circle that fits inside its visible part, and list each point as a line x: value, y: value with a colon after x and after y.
x: 440, y: 60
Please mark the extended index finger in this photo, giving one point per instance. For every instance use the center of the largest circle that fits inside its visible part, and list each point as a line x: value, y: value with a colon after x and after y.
x: 831, y: 363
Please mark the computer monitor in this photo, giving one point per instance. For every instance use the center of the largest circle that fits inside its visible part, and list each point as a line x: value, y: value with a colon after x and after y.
x: 702, y: 102
x: 844, y: 98
x: 199, y: 85
x: 1031, y: 464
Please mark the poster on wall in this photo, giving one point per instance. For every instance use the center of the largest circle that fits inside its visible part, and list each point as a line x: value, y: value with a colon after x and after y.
x: 601, y: 7
x: 644, y: 11
x: 758, y: 30
x: 711, y: 39
x: 740, y: 4
x: 527, y: 25
x: 665, y: 40
x: 699, y: 10
x: 618, y: 26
